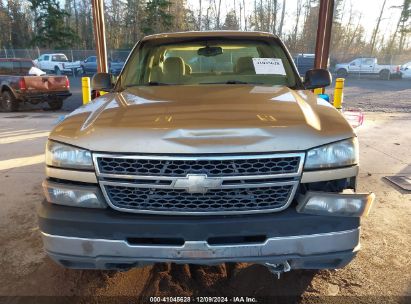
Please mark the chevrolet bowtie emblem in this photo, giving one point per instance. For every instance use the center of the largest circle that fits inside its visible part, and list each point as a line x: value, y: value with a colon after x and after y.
x: 197, y: 183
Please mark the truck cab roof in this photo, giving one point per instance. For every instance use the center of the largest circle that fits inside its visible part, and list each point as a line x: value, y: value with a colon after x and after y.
x: 217, y: 34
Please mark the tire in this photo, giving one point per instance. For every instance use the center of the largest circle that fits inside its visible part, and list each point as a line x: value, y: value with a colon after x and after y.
x: 385, y: 75
x: 83, y: 71
x: 56, y: 104
x: 8, y: 102
x: 57, y: 70
x: 342, y: 73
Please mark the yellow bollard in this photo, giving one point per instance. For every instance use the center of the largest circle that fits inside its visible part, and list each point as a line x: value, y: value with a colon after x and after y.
x: 85, y: 87
x: 318, y: 91
x: 339, y: 93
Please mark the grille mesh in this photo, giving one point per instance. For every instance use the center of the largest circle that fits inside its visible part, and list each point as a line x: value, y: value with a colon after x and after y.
x: 212, y: 201
x: 216, y: 168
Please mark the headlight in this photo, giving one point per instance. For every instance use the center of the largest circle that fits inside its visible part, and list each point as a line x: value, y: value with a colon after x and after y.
x: 64, y: 156
x: 339, y: 154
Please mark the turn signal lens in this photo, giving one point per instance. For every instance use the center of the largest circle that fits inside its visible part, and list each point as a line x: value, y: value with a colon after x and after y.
x: 22, y: 84
x: 76, y: 196
x: 335, y: 204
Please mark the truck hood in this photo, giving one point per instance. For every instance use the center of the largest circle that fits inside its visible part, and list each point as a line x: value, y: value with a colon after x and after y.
x: 203, y: 119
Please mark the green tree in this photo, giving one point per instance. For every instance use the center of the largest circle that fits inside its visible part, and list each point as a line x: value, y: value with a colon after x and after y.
x: 158, y: 17
x: 51, y: 29
x: 231, y: 22
x: 405, y: 25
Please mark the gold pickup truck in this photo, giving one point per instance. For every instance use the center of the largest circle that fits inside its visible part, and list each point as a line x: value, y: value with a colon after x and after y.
x: 209, y: 148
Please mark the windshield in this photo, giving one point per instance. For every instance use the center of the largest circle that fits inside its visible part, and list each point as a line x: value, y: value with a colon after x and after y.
x: 199, y: 62
x: 59, y: 57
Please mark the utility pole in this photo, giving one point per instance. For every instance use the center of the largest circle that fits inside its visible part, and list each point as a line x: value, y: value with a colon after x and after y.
x: 322, y: 46
x: 100, y: 35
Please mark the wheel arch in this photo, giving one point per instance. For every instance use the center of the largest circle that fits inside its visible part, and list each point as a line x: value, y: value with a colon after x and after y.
x: 5, y: 87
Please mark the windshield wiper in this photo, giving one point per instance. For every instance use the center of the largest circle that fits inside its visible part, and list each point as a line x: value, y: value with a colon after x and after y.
x: 156, y: 83
x: 151, y: 83
x: 232, y: 82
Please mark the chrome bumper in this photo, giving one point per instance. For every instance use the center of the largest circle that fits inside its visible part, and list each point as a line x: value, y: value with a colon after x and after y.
x: 94, y: 253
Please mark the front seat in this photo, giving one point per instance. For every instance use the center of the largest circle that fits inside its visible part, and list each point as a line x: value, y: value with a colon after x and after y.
x: 173, y: 70
x: 244, y: 65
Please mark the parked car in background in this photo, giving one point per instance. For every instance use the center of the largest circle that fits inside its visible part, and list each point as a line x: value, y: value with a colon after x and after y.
x: 115, y: 67
x: 368, y: 66
x: 304, y: 62
x: 406, y: 70
x: 53, y: 63
x: 21, y: 81
x: 89, y: 66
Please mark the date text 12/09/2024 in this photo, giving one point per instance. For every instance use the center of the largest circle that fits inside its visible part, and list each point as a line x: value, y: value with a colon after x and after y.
x: 197, y: 299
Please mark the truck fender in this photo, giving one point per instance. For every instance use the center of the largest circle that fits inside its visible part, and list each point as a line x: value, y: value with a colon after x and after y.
x: 342, y: 72
x: 385, y: 74
x: 6, y: 87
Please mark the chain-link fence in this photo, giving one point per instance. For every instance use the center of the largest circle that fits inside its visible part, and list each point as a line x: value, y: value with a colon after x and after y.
x: 72, y: 55
x: 303, y: 59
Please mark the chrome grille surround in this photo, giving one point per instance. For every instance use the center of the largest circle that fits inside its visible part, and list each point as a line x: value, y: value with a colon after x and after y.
x: 212, y: 167
x: 162, y: 187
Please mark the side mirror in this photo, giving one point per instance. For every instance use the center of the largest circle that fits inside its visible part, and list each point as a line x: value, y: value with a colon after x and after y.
x: 317, y: 78
x: 102, y: 82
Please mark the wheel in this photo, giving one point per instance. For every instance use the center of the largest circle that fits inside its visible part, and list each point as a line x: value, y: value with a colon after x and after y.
x: 342, y: 73
x: 8, y: 102
x: 385, y: 75
x: 55, y: 104
x: 82, y: 71
x: 57, y: 70
x: 79, y: 71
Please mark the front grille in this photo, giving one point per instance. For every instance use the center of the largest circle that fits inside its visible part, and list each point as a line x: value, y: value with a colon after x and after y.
x: 170, y: 200
x: 199, y: 184
x: 211, y: 167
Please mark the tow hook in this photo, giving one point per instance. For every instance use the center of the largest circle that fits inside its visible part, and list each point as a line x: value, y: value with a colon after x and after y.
x: 278, y: 269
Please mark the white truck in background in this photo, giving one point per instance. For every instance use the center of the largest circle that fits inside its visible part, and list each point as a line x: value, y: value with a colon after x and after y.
x: 57, y: 63
x: 368, y: 66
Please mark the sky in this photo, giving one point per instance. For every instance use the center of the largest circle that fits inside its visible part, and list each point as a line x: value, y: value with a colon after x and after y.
x: 370, y: 10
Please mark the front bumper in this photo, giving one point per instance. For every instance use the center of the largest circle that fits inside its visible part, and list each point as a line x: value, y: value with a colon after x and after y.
x: 328, y: 250
x: 107, y: 239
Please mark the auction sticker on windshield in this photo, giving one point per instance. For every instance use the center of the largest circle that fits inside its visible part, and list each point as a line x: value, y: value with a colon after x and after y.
x: 266, y: 66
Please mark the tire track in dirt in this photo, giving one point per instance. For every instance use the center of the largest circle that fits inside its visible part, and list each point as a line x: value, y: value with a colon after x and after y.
x: 230, y: 279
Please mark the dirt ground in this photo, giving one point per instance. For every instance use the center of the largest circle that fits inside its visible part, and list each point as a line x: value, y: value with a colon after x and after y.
x: 374, y: 95
x: 381, y: 273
